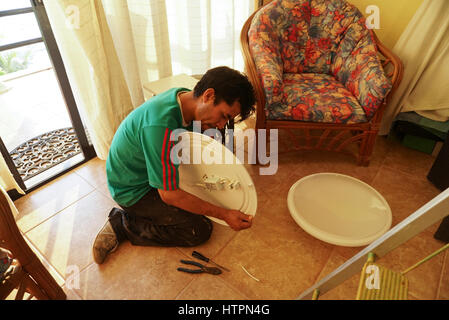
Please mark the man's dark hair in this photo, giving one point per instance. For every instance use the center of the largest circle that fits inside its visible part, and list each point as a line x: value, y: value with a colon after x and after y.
x: 229, y: 85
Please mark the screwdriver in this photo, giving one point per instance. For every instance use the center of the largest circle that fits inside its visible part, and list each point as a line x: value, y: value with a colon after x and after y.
x: 198, y: 255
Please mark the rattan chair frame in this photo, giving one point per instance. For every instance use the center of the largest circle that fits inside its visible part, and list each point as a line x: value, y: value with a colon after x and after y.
x: 32, y: 276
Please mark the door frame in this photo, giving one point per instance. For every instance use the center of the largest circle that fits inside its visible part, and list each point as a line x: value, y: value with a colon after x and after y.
x: 58, y: 66
x: 37, y: 6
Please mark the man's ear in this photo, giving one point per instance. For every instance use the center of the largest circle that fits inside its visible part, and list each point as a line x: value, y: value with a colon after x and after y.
x: 209, y: 95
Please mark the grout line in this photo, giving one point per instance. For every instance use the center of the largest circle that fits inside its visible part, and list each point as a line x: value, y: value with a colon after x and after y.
x: 59, y: 211
x: 73, y: 292
x: 87, y: 266
x: 320, y: 274
x: 188, y: 284
x: 184, y: 289
x: 404, y: 172
x: 96, y: 187
x: 41, y: 257
x: 84, y: 179
x: 184, y: 254
x: 41, y: 254
x: 106, y: 194
x: 80, y: 289
x: 224, y: 246
x: 413, y: 296
x: 378, y: 170
x: 227, y: 284
x: 391, y: 148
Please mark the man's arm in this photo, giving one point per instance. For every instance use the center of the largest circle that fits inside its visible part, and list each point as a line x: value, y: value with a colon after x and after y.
x: 163, y: 174
x: 188, y: 202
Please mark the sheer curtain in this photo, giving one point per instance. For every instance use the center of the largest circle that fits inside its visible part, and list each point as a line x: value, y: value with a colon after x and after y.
x: 206, y: 34
x: 424, y: 49
x: 187, y: 36
x: 7, y: 180
x: 93, y: 68
x: 111, y: 48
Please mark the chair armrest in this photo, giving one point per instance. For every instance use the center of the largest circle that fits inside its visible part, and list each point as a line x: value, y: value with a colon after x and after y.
x: 361, y: 72
x: 268, y: 62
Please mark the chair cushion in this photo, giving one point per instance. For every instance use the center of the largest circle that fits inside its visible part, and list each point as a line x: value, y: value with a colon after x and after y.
x: 317, y: 36
x: 309, y: 31
x: 316, y: 98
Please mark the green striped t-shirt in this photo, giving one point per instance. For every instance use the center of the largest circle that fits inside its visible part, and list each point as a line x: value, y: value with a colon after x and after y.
x: 139, y: 156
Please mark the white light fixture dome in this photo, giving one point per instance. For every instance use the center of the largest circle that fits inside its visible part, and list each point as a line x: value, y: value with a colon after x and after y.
x: 225, y: 182
x: 339, y: 209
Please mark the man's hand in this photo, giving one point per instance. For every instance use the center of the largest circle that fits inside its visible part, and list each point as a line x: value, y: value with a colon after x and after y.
x: 238, y: 220
x: 188, y: 202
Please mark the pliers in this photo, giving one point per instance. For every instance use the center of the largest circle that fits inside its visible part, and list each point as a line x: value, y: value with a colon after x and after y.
x: 211, y: 270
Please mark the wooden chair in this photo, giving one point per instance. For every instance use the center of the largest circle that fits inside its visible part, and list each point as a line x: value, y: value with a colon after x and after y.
x: 319, y: 135
x: 32, y: 277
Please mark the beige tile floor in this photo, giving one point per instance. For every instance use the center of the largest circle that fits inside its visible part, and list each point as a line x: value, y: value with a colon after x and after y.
x: 61, y: 220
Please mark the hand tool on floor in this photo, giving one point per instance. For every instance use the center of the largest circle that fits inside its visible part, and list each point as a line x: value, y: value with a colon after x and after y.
x: 198, y: 255
x: 211, y: 270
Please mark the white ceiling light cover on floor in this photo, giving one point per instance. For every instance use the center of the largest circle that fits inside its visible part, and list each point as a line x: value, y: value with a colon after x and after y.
x: 225, y: 184
x: 339, y: 209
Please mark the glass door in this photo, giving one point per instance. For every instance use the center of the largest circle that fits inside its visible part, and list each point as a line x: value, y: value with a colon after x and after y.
x: 41, y: 132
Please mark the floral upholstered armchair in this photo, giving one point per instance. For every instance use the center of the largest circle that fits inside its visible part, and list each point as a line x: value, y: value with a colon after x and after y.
x: 316, y: 66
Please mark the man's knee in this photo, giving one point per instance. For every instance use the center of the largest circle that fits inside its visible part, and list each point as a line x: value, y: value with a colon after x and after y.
x: 201, y: 231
